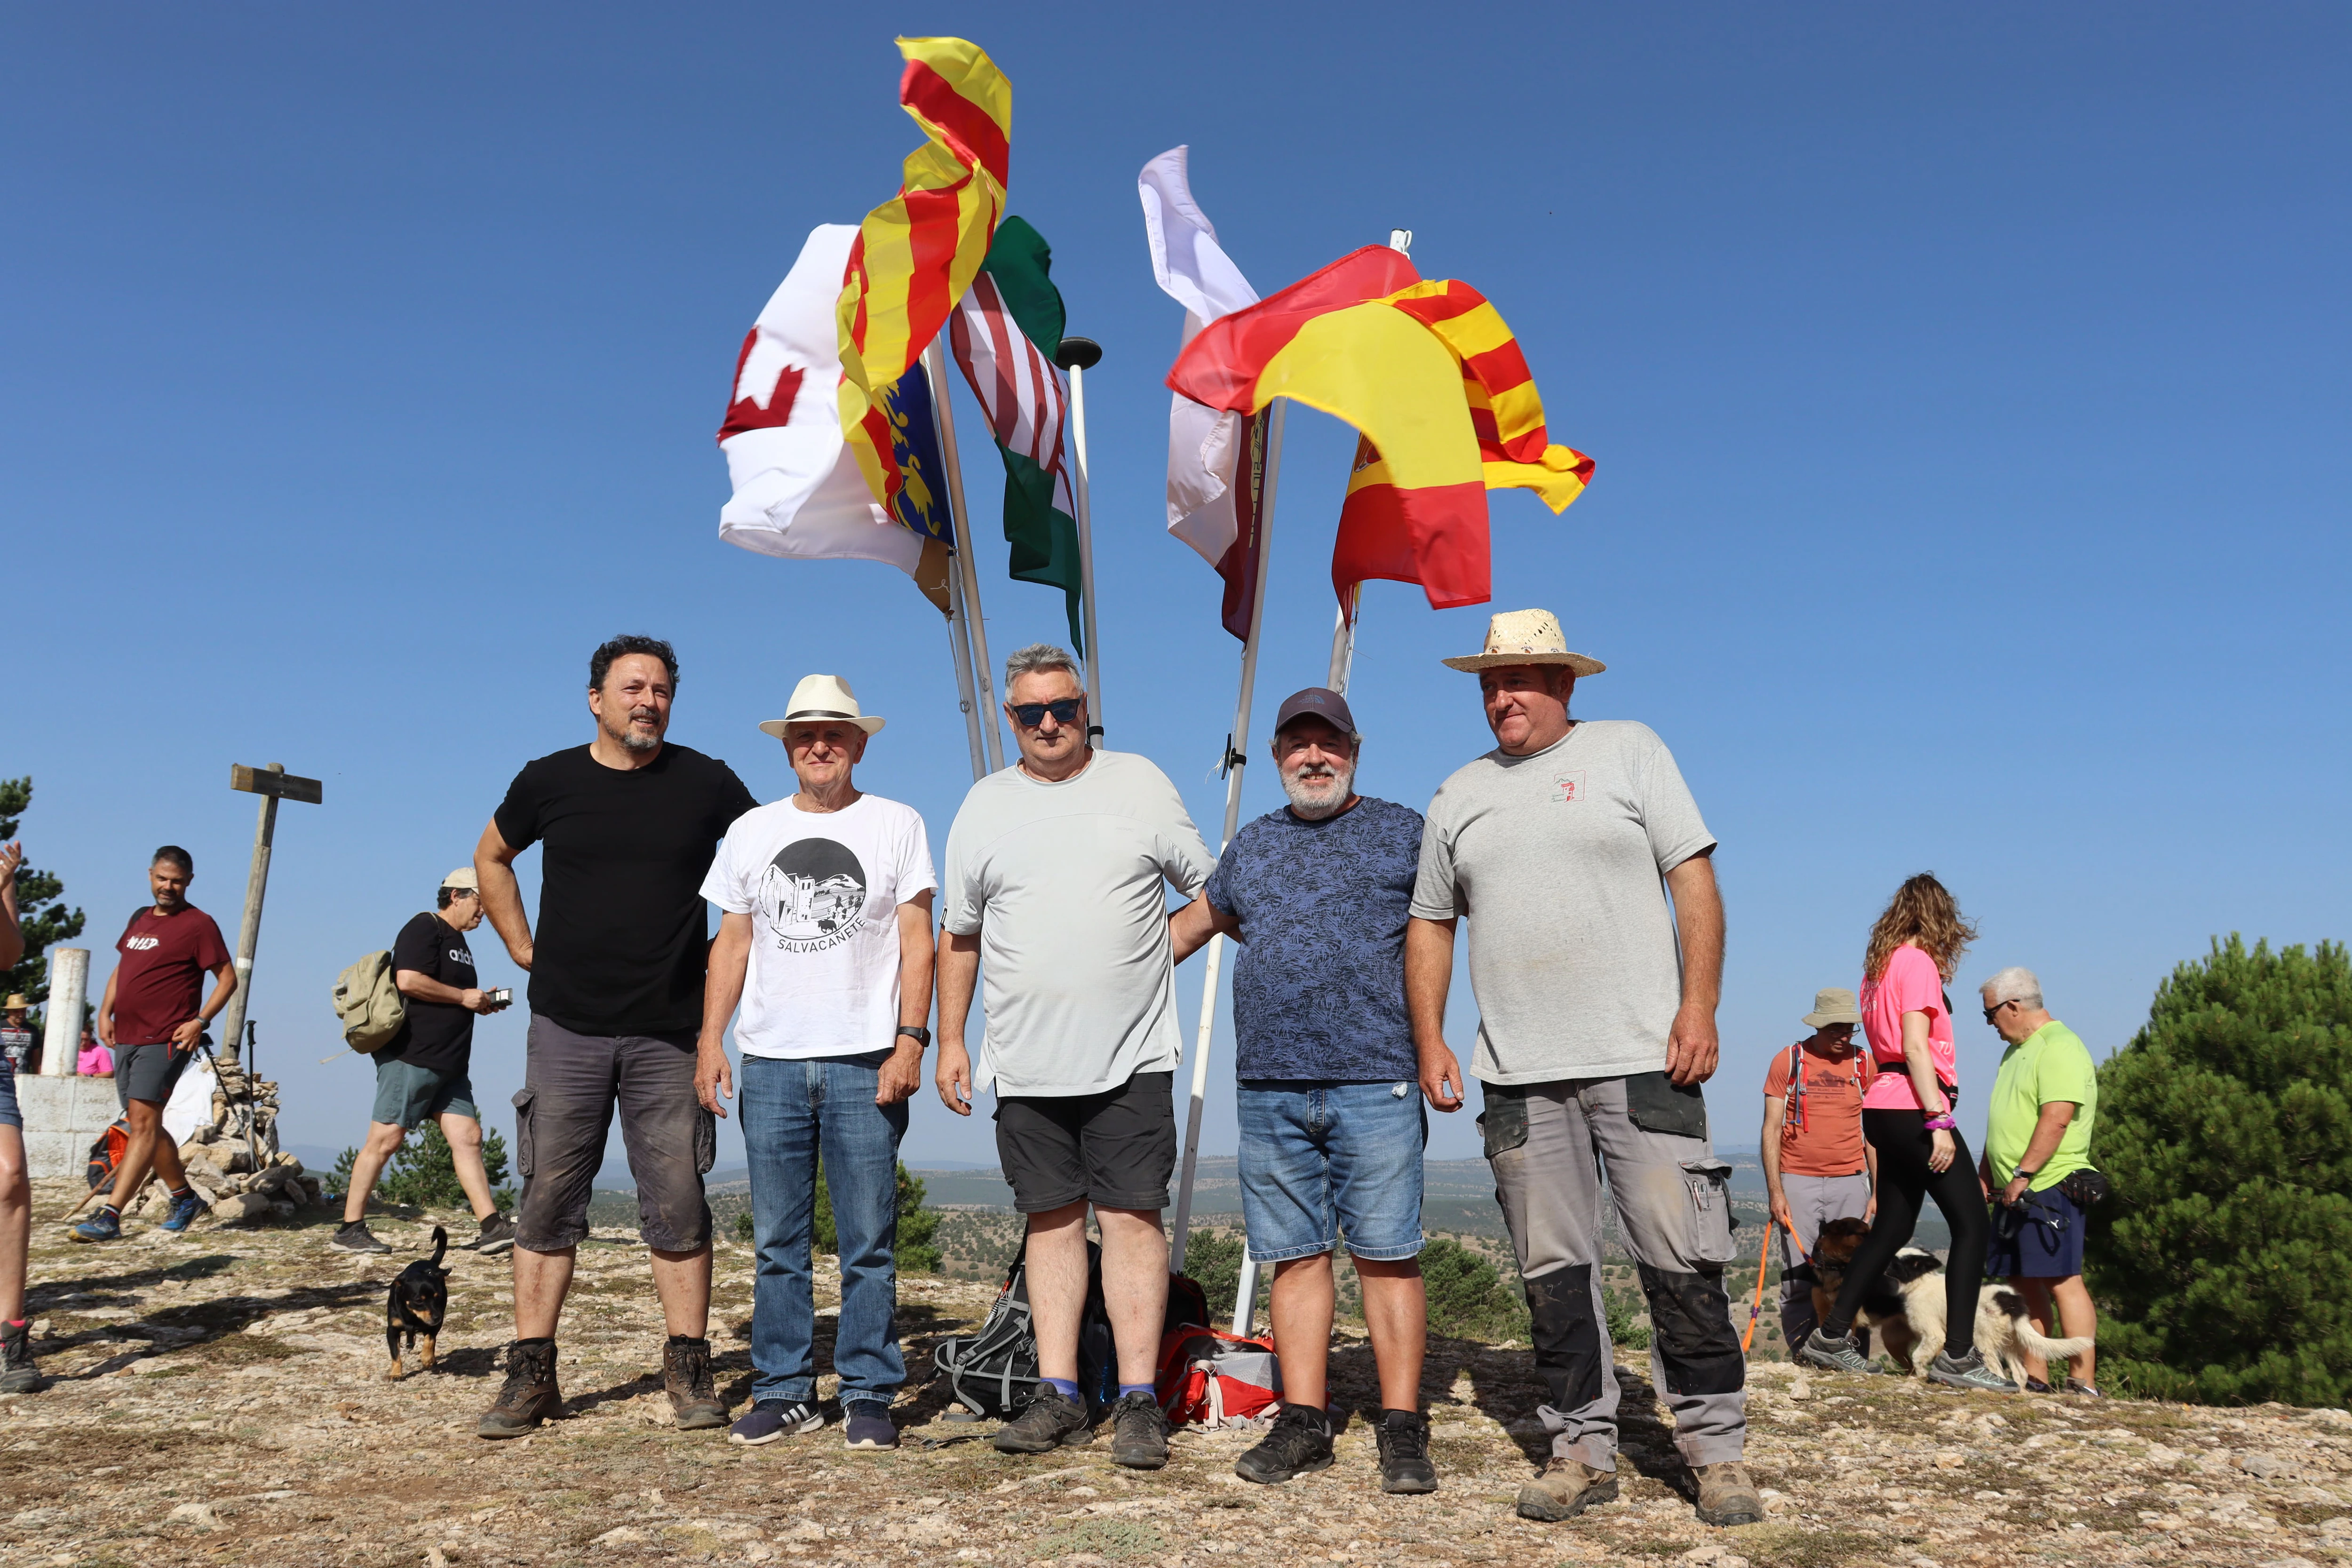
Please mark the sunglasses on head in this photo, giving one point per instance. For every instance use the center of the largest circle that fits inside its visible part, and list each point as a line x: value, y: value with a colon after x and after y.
x: 1029, y: 715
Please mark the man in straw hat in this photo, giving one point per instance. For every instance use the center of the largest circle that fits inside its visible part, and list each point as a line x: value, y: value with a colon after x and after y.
x: 1597, y: 1026
x: 824, y: 941
x: 424, y: 1073
x: 17, y: 1372
x: 16, y: 1033
x: 1817, y: 1165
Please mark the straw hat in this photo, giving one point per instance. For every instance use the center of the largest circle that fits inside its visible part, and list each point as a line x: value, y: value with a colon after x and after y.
x: 818, y: 697
x: 1525, y: 636
x: 1834, y: 1006
x: 16, y: 1004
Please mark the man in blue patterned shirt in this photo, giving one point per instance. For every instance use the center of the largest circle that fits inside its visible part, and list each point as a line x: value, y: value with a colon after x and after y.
x: 1331, y: 1120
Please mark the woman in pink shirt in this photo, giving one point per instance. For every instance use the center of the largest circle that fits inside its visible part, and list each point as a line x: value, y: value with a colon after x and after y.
x: 1907, y: 1114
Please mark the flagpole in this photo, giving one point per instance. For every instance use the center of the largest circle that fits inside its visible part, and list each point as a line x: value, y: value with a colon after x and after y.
x: 1079, y: 355
x: 961, y: 654
x: 974, y: 619
x: 1343, y: 640
x: 1236, y: 759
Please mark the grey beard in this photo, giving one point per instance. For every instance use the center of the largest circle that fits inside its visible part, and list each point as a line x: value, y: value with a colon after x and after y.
x: 1315, y: 808
x: 629, y: 739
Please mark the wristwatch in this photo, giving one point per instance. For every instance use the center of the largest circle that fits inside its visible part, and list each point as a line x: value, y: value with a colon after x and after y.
x: 2024, y: 1174
x: 922, y: 1036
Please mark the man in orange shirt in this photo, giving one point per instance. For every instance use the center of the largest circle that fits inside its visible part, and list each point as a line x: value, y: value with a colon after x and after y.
x: 1817, y: 1166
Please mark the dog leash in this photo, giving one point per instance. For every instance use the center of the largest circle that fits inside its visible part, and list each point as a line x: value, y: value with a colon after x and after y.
x: 1763, y: 1261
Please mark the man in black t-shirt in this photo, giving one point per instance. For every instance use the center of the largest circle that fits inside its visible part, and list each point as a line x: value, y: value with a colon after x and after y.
x: 423, y: 1071
x: 629, y: 824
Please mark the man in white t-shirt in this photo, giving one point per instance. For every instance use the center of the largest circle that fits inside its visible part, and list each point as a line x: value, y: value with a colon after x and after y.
x: 1058, y: 870
x: 826, y: 940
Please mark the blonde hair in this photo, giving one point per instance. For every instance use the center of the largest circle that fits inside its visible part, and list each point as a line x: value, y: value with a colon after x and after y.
x: 1924, y: 913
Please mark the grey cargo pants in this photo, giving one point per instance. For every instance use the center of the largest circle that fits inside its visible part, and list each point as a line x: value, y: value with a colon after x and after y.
x: 1550, y: 1145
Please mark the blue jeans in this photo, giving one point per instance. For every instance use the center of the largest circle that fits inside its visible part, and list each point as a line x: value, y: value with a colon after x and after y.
x: 793, y: 1111
x: 1317, y: 1158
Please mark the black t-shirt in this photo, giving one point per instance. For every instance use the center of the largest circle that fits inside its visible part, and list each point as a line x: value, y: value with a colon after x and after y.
x: 621, y: 942
x: 438, y: 1035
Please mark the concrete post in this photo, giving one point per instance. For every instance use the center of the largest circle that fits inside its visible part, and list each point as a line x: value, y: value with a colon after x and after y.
x: 69, y: 992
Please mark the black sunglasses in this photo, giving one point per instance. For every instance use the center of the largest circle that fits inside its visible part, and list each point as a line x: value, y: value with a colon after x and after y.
x: 1029, y: 715
x: 1995, y: 1008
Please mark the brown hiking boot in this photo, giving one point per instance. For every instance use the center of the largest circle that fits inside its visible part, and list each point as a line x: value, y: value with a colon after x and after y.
x: 1566, y: 1488
x: 1726, y: 1495
x: 529, y: 1396
x: 686, y: 1378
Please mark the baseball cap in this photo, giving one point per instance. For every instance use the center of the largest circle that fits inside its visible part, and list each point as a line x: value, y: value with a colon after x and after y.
x: 1321, y: 703
x: 463, y: 878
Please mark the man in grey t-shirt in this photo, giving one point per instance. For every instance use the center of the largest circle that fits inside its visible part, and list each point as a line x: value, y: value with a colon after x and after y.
x: 1597, y: 1001
x: 1058, y: 870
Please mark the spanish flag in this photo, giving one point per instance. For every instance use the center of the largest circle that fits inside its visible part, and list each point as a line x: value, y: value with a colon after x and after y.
x: 916, y: 255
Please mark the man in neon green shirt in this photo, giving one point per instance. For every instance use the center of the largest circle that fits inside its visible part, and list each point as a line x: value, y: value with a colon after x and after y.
x: 2037, y: 1133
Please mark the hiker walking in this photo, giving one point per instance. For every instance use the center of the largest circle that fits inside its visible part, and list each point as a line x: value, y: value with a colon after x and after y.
x: 1332, y: 1124
x: 628, y: 823
x: 1596, y: 1000
x: 1817, y: 1168
x: 824, y: 939
x: 17, y: 1372
x: 1056, y: 870
x: 152, y: 1017
x: 424, y: 1073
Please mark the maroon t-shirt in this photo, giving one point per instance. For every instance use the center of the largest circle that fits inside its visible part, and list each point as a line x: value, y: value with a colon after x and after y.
x: 159, y: 985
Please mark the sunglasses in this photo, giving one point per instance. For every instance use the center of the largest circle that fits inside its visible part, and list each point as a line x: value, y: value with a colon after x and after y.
x: 1995, y: 1008
x: 1029, y: 715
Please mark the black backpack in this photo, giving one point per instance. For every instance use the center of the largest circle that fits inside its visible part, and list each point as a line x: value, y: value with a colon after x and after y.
x: 993, y: 1372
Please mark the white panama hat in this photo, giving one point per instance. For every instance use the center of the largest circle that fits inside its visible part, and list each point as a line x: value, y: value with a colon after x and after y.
x: 817, y: 699
x: 1525, y: 636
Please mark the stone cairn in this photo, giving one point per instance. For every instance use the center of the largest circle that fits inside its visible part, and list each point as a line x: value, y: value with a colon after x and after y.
x: 222, y: 1162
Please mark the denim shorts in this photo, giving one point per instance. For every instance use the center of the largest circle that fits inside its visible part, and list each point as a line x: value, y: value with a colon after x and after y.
x: 1319, y: 1158
x: 10, y: 1116
x: 407, y: 1095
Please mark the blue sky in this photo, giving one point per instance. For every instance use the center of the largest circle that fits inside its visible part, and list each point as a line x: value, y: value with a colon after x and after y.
x: 1968, y: 387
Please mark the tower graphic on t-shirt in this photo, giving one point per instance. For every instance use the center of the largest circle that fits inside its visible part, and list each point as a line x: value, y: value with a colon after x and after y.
x: 814, y: 895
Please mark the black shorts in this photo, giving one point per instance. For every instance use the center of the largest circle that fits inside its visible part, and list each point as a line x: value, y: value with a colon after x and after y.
x: 1115, y: 1149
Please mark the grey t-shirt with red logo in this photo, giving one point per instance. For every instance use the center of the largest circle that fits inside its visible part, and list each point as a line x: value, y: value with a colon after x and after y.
x: 1557, y: 862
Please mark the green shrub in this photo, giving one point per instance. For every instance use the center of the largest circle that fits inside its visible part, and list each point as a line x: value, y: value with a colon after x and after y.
x: 2225, y: 1255
x: 423, y: 1172
x: 1212, y: 1261
x: 1623, y: 1306
x: 1468, y: 1297
x: 917, y: 1253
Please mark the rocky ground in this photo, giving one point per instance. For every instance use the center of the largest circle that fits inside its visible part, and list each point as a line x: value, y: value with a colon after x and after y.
x: 220, y: 1398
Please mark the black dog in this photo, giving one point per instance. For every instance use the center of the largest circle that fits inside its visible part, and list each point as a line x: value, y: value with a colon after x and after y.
x: 419, y: 1300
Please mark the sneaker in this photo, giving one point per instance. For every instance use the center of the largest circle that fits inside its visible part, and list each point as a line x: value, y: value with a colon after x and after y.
x: 529, y: 1396
x: 353, y: 1235
x: 2035, y: 1385
x: 1832, y: 1355
x: 1728, y: 1495
x: 868, y: 1426
x: 1054, y: 1420
x: 17, y: 1372
x: 1299, y: 1444
x: 1969, y: 1373
x: 1566, y: 1488
x: 2076, y: 1386
x: 686, y: 1377
x: 498, y: 1236
x: 103, y: 1226
x: 1138, y: 1432
x: 768, y: 1419
x: 184, y: 1212
x: 1404, y: 1438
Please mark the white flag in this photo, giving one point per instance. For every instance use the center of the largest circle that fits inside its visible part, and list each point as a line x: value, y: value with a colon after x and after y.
x: 1203, y: 444
x: 798, y: 492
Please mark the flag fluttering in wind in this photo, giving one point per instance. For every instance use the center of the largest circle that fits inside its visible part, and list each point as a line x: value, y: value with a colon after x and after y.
x: 916, y: 255
x: 798, y: 493
x: 1005, y: 333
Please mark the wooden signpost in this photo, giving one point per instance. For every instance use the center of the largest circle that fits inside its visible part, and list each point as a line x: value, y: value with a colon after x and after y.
x: 272, y: 783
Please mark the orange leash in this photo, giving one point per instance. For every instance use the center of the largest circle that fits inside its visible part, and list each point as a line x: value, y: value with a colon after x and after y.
x: 1756, y: 1307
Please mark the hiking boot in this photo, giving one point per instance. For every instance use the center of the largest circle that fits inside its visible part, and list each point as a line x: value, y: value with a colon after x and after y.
x: 17, y: 1372
x: 184, y: 1212
x: 103, y: 1226
x: 1969, y: 1373
x: 868, y: 1426
x: 498, y: 1236
x: 529, y: 1396
x: 1138, y: 1432
x: 1300, y: 1444
x: 353, y: 1235
x: 1566, y: 1488
x: 768, y: 1419
x: 1728, y: 1495
x: 686, y: 1378
x: 1832, y: 1355
x: 1404, y: 1438
x: 1054, y: 1420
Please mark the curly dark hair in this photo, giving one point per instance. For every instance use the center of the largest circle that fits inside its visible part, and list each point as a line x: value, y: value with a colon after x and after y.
x: 600, y: 663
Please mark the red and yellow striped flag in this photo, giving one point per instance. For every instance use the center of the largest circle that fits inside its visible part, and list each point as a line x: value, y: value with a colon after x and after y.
x: 916, y: 255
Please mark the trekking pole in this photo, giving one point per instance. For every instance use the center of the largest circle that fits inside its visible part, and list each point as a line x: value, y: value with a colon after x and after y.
x: 252, y: 1106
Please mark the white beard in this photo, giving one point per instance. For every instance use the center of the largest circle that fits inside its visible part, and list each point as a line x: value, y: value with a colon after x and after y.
x: 1314, y: 807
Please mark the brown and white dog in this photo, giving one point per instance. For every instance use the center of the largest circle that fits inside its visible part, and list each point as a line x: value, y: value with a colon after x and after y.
x: 1905, y: 1306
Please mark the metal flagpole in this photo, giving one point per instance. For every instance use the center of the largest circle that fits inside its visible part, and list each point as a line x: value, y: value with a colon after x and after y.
x: 1236, y: 757
x: 935, y: 369
x: 1079, y: 355
x: 1343, y: 640
x: 961, y: 653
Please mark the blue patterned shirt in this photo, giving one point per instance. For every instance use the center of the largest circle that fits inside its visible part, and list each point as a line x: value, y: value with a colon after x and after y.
x: 1318, y: 992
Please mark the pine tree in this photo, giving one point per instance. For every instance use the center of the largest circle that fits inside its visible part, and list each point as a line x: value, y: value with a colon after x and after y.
x: 917, y: 1252
x: 2225, y: 1255
x: 424, y: 1173
x: 42, y: 914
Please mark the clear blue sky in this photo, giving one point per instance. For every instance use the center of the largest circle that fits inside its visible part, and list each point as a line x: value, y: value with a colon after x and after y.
x: 1968, y: 389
